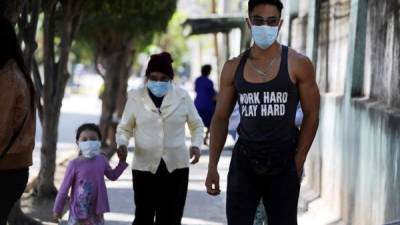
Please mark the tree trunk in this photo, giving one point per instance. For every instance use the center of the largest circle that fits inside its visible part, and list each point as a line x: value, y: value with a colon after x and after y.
x: 110, y: 94
x: 27, y: 25
x: 45, y: 187
x: 117, y: 66
x: 121, y: 99
x: 55, y: 77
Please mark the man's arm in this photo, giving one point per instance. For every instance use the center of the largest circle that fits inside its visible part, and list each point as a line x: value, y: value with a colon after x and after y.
x: 310, y: 102
x: 219, y: 124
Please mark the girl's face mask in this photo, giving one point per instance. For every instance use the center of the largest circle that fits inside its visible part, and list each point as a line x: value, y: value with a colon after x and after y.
x: 90, y: 149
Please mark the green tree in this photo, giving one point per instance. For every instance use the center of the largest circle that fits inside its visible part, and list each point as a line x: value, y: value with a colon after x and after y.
x: 173, y: 40
x: 60, y: 24
x: 61, y: 20
x: 116, y: 30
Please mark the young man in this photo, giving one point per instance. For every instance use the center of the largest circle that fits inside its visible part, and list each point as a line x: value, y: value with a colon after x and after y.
x: 267, y: 81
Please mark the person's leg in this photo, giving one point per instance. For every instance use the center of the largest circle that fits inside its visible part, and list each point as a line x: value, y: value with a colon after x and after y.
x: 172, y: 202
x: 163, y: 209
x: 243, y: 193
x: 11, y: 190
x: 181, y: 179
x: 144, y: 192
x: 281, y: 197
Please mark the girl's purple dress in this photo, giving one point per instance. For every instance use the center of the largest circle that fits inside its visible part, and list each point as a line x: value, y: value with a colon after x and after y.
x: 88, y: 189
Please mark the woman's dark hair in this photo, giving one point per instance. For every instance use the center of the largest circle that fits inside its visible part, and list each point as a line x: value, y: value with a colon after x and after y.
x: 206, y: 70
x: 253, y: 3
x: 88, y: 126
x: 161, y: 62
x: 10, y: 50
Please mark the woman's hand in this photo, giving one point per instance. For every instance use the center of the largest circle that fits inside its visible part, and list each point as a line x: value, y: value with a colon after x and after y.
x: 122, y: 153
x: 194, y: 154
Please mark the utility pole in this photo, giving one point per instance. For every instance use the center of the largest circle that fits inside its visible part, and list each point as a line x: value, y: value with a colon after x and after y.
x: 216, y: 46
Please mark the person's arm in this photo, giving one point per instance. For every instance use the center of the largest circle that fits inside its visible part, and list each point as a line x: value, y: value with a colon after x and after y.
x: 196, y: 128
x: 114, y: 174
x: 219, y: 124
x: 62, y: 194
x: 126, y: 127
x: 7, y: 99
x: 310, y: 102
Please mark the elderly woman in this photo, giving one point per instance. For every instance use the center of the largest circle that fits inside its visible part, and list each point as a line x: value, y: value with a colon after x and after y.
x: 156, y: 115
x: 17, y: 120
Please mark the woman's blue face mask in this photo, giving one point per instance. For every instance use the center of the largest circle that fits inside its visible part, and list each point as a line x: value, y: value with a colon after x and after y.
x: 159, y: 88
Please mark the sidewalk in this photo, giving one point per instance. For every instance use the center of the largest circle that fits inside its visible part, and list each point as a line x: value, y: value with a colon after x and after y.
x: 200, y: 209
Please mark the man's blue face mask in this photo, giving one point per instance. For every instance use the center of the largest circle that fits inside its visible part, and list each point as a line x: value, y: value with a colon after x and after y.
x: 264, y: 36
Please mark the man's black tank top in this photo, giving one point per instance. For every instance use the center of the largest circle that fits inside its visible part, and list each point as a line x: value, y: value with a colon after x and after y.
x: 267, y: 110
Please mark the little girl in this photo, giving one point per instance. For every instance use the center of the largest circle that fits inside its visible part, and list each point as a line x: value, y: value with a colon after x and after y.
x: 85, y: 177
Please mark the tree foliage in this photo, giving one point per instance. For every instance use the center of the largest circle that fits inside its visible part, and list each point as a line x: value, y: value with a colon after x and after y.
x: 173, y: 40
x: 116, y: 30
x: 108, y: 22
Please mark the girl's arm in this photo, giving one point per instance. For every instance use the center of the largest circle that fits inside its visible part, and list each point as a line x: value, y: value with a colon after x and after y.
x: 113, y: 174
x: 63, y: 192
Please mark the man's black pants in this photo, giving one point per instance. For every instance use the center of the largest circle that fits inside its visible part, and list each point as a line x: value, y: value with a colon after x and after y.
x: 13, y: 183
x: 280, y: 193
x: 161, y: 195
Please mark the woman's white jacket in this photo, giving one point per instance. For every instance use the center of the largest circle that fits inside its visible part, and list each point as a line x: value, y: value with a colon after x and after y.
x: 160, y: 133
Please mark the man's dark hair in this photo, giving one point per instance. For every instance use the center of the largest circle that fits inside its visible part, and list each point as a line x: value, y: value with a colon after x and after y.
x: 253, y: 3
x: 88, y: 126
x: 206, y: 70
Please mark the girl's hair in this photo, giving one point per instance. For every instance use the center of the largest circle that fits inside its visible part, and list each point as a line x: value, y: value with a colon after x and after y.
x: 11, y: 50
x: 88, y: 126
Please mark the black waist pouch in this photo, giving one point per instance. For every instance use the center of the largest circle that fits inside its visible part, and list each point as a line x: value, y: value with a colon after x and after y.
x: 266, y: 159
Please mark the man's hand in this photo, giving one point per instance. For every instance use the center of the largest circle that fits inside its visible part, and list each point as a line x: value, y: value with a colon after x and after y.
x: 122, y: 153
x: 194, y: 154
x: 212, y: 182
x: 300, y: 159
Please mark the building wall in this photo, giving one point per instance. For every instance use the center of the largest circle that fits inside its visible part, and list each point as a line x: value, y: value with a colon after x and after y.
x: 354, y: 165
x: 332, y: 46
x: 383, y: 47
